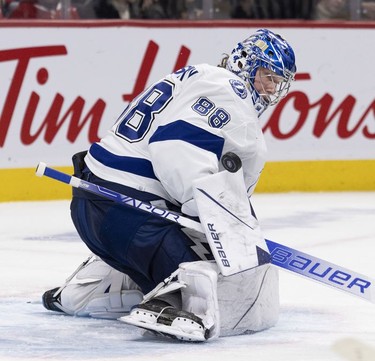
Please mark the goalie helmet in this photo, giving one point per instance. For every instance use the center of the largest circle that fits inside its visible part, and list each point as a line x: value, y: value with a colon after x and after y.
x: 267, y: 50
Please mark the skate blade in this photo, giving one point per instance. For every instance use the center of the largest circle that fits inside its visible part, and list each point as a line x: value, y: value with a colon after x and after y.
x: 169, y: 331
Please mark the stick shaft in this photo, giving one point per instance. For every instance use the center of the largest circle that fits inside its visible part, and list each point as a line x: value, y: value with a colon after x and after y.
x: 42, y: 169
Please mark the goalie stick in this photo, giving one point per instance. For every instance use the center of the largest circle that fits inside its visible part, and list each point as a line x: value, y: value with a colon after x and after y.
x: 281, y: 256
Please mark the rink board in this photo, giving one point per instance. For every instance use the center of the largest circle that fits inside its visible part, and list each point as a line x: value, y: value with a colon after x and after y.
x: 63, y: 84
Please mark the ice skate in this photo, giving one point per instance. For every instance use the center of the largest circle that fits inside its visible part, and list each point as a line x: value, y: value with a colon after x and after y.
x: 51, y: 301
x: 162, y: 318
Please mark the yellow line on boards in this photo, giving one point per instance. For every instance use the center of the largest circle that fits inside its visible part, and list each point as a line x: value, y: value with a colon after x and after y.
x: 21, y: 184
x: 318, y: 176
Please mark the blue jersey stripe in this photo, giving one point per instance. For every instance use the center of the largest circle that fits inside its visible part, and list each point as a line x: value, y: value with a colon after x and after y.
x: 181, y: 130
x: 138, y: 166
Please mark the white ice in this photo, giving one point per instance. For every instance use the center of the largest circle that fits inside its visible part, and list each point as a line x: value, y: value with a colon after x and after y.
x: 39, y: 249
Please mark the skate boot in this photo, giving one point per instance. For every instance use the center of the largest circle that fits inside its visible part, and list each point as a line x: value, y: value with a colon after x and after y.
x: 160, y: 317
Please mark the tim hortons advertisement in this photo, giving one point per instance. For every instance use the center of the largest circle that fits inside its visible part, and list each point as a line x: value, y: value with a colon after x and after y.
x: 61, y: 88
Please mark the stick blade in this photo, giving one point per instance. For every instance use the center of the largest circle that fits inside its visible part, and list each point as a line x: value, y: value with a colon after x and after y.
x: 322, y: 271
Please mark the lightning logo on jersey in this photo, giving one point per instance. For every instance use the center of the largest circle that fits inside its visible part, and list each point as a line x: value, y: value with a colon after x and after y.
x: 239, y: 88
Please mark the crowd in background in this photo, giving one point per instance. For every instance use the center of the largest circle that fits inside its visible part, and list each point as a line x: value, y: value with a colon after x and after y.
x: 189, y: 9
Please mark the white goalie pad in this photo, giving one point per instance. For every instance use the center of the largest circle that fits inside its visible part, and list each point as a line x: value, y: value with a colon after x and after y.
x: 249, y: 301
x: 232, y: 232
x: 100, y: 291
x: 244, y: 303
x: 199, y: 295
x: 225, y: 306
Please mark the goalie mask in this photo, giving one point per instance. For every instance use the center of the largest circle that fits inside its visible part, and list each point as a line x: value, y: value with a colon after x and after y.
x: 271, y: 52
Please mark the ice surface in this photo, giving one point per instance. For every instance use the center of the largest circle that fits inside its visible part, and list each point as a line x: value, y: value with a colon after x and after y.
x: 39, y: 249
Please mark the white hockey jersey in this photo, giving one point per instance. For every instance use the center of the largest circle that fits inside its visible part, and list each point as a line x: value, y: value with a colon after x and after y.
x: 177, y: 130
